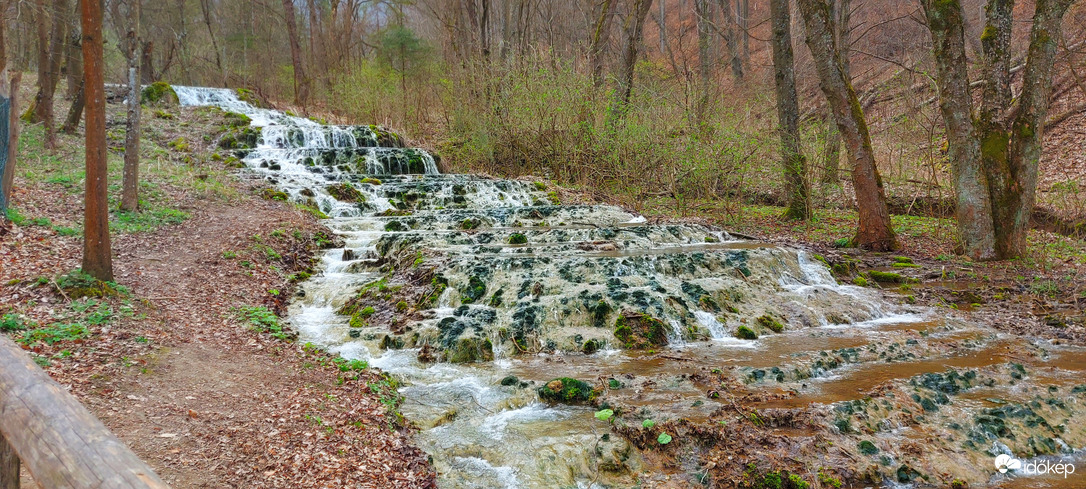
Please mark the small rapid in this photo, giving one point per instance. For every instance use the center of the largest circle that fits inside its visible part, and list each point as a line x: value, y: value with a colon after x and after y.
x: 475, y: 292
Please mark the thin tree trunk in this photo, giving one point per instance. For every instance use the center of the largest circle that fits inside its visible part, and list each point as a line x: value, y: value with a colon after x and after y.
x: 744, y: 26
x: 874, y: 231
x: 301, y: 83
x: 130, y: 182
x: 73, y: 61
x: 211, y: 33
x: 75, y: 111
x: 842, y: 13
x: 600, y: 35
x: 484, y: 30
x: 701, y: 11
x: 634, y: 31
x: 9, y: 124
x: 731, y: 39
x: 662, y: 23
x: 147, y: 68
x: 97, y: 255
x: 788, y: 112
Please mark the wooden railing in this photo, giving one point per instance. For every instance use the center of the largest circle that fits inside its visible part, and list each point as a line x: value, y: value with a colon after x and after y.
x: 61, y: 443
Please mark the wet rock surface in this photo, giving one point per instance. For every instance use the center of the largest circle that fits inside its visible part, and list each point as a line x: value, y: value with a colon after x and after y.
x: 512, y: 319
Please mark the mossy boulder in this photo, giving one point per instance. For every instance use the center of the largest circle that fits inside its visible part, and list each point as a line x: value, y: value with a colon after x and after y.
x: 345, y: 192
x: 77, y: 284
x: 241, y: 137
x: 158, y: 93
x: 770, y: 323
x: 568, y: 391
x: 890, y: 277
x: 637, y: 331
x: 475, y: 290
x: 250, y: 97
x: 468, y: 350
x: 234, y: 119
x: 745, y: 333
x: 517, y: 238
x: 386, y: 138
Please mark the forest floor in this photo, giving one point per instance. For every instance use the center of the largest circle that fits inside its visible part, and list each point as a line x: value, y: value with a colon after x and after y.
x: 185, y: 359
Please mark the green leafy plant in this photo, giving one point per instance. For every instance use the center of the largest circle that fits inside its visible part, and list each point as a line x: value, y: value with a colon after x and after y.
x: 663, y: 439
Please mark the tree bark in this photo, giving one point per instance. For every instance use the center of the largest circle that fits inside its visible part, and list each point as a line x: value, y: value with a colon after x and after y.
x: 635, y: 25
x: 97, y: 255
x: 701, y: 11
x: 75, y: 112
x: 994, y: 158
x: 788, y: 112
x: 301, y: 83
x: 600, y: 35
x: 43, y: 107
x: 73, y: 57
x: 731, y: 39
x: 874, y: 231
x: 147, y: 68
x: 9, y: 122
x: 974, y: 208
x: 842, y: 13
x: 130, y: 182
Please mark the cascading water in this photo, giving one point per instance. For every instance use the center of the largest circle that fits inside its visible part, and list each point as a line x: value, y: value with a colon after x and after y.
x: 514, y: 290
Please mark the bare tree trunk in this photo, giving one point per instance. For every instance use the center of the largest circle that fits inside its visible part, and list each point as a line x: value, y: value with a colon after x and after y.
x: 974, y: 208
x: 635, y: 25
x: 875, y: 231
x: 701, y: 11
x: 301, y: 83
x: 211, y: 33
x: 731, y: 39
x: 73, y: 61
x: 744, y: 28
x: 97, y: 255
x: 75, y: 111
x: 484, y: 31
x: 75, y: 64
x: 130, y: 183
x: 784, y: 72
x: 994, y: 158
x: 9, y: 124
x: 147, y: 68
x: 842, y: 13
x: 50, y: 54
x: 600, y: 35
x: 662, y: 23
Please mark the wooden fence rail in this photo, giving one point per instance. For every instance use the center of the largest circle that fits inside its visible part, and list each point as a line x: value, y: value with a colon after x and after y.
x: 61, y: 443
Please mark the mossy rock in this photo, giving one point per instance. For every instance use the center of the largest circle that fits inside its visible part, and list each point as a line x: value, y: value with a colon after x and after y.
x: 517, y: 238
x: 158, y: 93
x: 395, y: 226
x: 745, y: 333
x: 476, y: 290
x: 371, y: 181
x: 867, y: 448
x: 468, y: 350
x: 77, y: 284
x: 386, y: 138
x: 250, y: 97
x: 567, y: 391
x: 591, y: 346
x: 890, y: 277
x: 637, y: 331
x: 235, y: 120
x: 768, y: 322
x: 273, y: 194
x: 240, y: 138
x: 345, y: 192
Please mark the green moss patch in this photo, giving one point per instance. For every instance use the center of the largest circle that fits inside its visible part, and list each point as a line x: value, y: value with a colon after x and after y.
x: 567, y: 391
x: 745, y: 333
x: 637, y: 331
x: 158, y: 92
x: 344, y: 192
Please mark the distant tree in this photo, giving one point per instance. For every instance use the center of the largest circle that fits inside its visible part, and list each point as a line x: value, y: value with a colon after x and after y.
x: 9, y: 124
x: 994, y: 152
x: 874, y: 230
x: 784, y: 71
x: 635, y: 24
x: 841, y: 13
x: 52, y: 22
x: 130, y: 182
x: 301, y: 83
x: 601, y: 32
x: 731, y: 39
x: 97, y: 254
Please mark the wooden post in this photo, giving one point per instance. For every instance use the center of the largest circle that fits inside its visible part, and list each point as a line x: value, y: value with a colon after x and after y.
x: 9, y: 465
x: 61, y: 443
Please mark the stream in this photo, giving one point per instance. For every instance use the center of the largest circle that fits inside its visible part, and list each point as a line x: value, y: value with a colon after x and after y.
x: 476, y: 292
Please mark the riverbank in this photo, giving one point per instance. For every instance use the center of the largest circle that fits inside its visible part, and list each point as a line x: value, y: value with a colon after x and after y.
x: 185, y: 360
